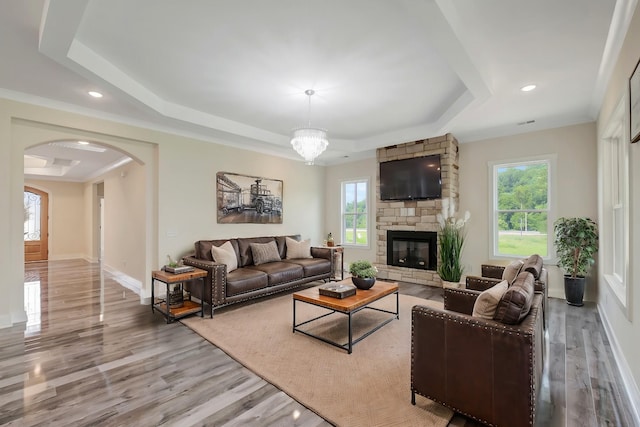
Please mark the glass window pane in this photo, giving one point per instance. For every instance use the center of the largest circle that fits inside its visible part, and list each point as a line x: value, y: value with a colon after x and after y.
x: 31, y: 216
x: 362, y: 197
x: 349, y: 197
x: 523, y: 186
x: 349, y: 234
x: 361, y: 230
x: 522, y: 233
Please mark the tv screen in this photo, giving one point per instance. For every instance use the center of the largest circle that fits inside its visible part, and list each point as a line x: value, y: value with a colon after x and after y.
x: 411, y: 179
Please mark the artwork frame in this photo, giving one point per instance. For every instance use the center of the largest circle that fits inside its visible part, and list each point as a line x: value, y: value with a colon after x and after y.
x: 634, y: 104
x: 247, y: 199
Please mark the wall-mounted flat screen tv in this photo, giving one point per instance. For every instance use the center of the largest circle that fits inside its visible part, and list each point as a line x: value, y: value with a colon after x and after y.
x: 417, y: 178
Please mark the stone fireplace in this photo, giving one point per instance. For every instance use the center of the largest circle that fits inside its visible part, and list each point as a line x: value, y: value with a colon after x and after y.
x: 409, y: 219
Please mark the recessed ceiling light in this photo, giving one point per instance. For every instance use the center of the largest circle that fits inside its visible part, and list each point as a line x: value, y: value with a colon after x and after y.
x: 83, y: 143
x: 95, y: 94
x: 528, y: 88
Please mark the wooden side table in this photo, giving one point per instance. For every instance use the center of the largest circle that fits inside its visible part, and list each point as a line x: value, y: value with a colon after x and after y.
x: 162, y: 304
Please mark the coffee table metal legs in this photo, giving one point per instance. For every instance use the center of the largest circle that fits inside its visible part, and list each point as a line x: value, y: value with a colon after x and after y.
x: 351, y: 342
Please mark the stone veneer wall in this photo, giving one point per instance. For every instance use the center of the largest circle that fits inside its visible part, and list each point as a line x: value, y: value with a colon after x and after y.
x: 418, y: 215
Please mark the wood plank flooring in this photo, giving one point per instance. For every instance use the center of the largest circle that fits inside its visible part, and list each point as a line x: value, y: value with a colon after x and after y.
x: 90, y: 355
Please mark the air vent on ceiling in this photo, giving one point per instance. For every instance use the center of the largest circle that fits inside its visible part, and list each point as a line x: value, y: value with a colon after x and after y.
x: 528, y: 122
x: 76, y: 146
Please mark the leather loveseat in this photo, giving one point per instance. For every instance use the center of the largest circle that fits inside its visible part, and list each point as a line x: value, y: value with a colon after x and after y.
x: 486, y: 368
x: 494, y: 274
x: 248, y: 280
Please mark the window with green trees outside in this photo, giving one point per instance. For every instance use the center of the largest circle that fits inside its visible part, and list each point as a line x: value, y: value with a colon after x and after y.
x: 355, y: 213
x: 521, y: 208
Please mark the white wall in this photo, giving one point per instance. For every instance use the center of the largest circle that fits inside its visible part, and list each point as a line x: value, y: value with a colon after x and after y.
x: 66, y: 217
x: 366, y: 168
x: 625, y: 329
x: 576, y: 183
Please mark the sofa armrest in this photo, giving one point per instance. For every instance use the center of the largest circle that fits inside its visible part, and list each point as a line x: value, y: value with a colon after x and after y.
x: 480, y: 283
x: 460, y: 300
x: 318, y: 252
x: 492, y: 271
x: 215, y: 292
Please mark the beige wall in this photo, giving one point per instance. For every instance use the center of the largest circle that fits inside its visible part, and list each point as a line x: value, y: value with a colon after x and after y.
x: 626, y: 329
x: 574, y: 148
x: 334, y: 176
x: 66, y: 218
x: 179, y: 195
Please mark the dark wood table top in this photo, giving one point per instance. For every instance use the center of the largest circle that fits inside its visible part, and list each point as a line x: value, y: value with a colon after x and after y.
x: 167, y: 277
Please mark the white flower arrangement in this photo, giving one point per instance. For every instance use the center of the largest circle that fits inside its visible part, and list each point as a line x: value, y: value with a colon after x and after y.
x: 452, y: 236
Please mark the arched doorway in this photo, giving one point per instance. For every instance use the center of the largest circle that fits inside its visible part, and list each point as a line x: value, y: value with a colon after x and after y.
x: 36, y: 232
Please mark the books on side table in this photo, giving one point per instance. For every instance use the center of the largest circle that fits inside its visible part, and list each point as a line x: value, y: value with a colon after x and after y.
x: 179, y: 269
x: 337, y: 290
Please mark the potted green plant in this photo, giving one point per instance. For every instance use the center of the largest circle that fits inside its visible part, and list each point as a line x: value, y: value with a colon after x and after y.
x: 576, y: 242
x: 363, y: 274
x: 451, y: 242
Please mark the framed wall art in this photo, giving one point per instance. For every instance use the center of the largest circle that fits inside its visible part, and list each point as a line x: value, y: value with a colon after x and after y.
x: 634, y: 103
x: 245, y: 199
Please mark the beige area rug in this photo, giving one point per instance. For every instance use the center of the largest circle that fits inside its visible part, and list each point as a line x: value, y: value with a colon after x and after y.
x: 370, y: 387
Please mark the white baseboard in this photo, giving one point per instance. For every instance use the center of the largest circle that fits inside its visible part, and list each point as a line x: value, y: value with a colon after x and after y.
x: 629, y: 383
x: 63, y: 257
x: 124, y: 279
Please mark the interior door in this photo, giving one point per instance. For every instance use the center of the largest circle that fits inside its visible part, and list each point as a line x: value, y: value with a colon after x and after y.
x: 36, y: 218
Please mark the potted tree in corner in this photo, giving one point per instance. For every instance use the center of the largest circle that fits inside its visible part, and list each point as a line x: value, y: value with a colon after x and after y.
x: 576, y: 241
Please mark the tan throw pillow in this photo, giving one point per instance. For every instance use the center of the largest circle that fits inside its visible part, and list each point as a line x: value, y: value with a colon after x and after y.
x: 487, y: 302
x: 264, y: 252
x: 297, y: 249
x: 224, y: 254
x: 511, y: 271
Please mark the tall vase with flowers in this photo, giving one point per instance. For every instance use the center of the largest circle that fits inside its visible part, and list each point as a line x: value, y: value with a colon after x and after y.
x: 452, y: 236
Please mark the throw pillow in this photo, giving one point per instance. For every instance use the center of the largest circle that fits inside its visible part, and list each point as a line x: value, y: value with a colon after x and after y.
x: 264, y: 252
x: 224, y: 254
x: 487, y: 302
x: 533, y: 265
x: 516, y: 302
x: 297, y: 249
x: 511, y: 271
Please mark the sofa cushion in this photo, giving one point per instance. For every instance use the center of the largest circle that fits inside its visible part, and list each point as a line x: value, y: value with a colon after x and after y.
x: 312, y: 266
x: 224, y: 254
x: 203, y: 248
x: 512, y: 270
x: 516, y: 302
x: 297, y: 249
x: 279, y: 272
x: 245, y: 280
x: 533, y: 265
x: 244, y: 245
x: 487, y: 302
x: 264, y: 252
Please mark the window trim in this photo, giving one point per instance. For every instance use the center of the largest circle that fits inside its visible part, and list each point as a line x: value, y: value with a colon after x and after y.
x: 343, y: 241
x: 615, y: 128
x: 551, y: 160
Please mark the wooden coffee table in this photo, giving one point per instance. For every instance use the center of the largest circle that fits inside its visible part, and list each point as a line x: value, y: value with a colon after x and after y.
x: 349, y: 306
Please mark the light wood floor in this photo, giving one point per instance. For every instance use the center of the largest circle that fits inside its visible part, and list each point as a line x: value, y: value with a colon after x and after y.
x: 92, y: 355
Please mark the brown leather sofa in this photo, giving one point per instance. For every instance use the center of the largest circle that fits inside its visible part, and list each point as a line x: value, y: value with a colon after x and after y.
x: 492, y: 275
x: 250, y: 281
x: 486, y: 369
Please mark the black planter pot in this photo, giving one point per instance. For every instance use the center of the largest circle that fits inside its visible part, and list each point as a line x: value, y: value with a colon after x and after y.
x: 574, y: 290
x: 363, y: 282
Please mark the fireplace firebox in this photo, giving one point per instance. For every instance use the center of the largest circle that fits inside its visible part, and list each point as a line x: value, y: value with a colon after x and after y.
x: 412, y: 249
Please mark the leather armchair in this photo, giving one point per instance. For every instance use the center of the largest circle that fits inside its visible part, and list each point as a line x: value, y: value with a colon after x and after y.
x: 484, y: 369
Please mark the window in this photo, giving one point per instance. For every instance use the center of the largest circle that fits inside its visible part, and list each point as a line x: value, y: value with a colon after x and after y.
x: 614, y: 222
x: 521, y: 208
x: 355, y: 212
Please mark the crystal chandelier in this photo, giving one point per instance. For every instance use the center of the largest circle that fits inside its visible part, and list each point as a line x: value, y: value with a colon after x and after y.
x: 307, y: 141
